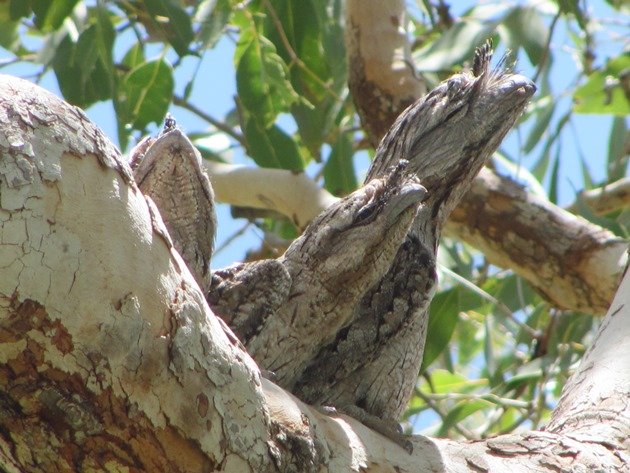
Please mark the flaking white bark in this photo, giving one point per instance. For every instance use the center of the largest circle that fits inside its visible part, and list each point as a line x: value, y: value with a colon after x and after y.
x: 81, y: 245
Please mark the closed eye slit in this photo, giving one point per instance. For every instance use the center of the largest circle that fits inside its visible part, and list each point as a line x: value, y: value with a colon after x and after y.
x: 367, y: 213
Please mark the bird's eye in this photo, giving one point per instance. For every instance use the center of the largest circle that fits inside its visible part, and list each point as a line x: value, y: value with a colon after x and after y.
x: 367, y: 213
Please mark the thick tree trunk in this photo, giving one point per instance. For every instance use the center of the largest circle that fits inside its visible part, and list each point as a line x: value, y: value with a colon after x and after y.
x: 110, y: 356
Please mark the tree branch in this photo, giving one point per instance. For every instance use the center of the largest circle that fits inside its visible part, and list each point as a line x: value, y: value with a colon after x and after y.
x: 107, y: 345
x: 381, y: 71
x: 574, y: 263
x: 605, y: 199
x: 292, y: 194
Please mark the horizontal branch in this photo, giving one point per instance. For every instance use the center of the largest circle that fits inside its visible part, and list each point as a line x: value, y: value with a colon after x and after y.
x: 292, y: 194
x: 575, y: 264
x: 605, y: 199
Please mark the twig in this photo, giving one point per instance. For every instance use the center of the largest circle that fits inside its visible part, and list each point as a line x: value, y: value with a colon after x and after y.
x: 545, y: 54
x: 181, y: 102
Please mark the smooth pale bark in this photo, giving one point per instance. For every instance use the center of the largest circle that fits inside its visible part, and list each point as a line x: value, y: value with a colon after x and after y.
x: 292, y: 194
x: 111, y: 359
x: 605, y: 199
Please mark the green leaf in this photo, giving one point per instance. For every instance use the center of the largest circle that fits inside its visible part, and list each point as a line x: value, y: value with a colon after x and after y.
x: 261, y: 77
x: 511, y: 290
x: 339, y: 174
x: 134, y: 56
x: 145, y: 94
x: 50, y: 15
x: 454, y: 46
x: 173, y: 21
x: 623, y: 220
x: 573, y: 7
x: 553, y: 182
x: 541, y: 166
x: 443, y: 316
x: 545, y: 108
x: 528, y: 373
x: 538, y: 319
x: 9, y: 39
x: 488, y: 350
x: 306, y: 30
x: 617, y: 155
x: 570, y: 326
x: 525, y: 27
x: 586, y: 173
x: 468, y: 343
x: 603, y: 92
x: 445, y: 382
x: 271, y: 147
x: 460, y: 411
x: 85, y: 70
x: 212, y: 15
x: 19, y: 9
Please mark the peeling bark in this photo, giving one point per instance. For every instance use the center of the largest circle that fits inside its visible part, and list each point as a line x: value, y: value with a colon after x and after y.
x: 110, y: 355
x: 573, y: 263
x: 382, y: 70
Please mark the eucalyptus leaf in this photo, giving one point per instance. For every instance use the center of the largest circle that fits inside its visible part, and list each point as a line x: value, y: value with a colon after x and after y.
x: 144, y: 94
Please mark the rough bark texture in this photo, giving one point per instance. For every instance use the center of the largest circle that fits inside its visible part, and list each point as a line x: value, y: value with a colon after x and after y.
x: 110, y: 357
x: 569, y: 260
x: 111, y: 360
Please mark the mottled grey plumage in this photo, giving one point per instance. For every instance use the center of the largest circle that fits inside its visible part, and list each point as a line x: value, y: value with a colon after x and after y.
x: 285, y: 310
x: 168, y: 170
x: 447, y: 136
